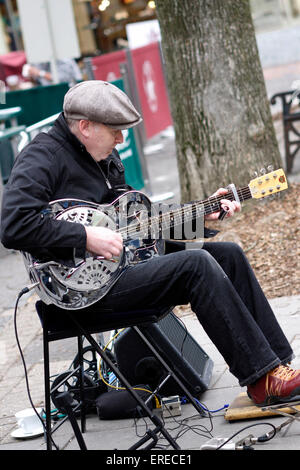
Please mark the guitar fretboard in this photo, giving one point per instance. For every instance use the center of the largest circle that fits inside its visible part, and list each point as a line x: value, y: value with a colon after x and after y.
x: 186, y: 213
x: 213, y: 203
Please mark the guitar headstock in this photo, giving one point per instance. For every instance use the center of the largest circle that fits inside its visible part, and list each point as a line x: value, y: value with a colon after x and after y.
x: 268, y: 184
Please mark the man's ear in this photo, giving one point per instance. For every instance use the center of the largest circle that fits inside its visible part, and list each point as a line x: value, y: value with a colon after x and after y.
x: 84, y: 127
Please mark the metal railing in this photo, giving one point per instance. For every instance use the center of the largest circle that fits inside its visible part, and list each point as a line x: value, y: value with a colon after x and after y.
x: 31, y: 131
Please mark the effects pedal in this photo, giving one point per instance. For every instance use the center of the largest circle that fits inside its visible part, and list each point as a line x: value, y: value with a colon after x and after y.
x: 171, y: 406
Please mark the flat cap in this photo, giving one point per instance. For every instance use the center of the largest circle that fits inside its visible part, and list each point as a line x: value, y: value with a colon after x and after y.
x: 99, y: 101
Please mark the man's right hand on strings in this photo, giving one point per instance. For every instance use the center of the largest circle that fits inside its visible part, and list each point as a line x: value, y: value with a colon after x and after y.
x: 103, y: 242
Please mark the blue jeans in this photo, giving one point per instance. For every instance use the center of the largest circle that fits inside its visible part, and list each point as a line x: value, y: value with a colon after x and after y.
x: 224, y: 293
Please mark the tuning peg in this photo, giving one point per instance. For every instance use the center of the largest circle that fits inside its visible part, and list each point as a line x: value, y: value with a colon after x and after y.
x: 270, y: 168
x: 263, y: 171
x: 255, y: 174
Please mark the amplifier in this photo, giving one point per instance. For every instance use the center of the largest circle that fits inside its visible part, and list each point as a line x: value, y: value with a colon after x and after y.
x: 178, y: 349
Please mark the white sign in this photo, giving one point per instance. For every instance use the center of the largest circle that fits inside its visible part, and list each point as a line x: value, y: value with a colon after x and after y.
x: 2, y: 92
x: 125, y: 149
x: 49, y: 30
x: 149, y: 86
x: 142, y: 33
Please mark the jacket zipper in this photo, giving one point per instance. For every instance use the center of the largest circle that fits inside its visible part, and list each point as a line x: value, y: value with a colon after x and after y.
x: 102, y: 172
x: 105, y: 178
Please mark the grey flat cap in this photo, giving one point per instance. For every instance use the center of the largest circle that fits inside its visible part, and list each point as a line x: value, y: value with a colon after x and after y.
x: 100, y: 101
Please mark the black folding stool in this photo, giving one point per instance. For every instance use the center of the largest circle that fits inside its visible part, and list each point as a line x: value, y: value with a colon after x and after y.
x: 60, y: 324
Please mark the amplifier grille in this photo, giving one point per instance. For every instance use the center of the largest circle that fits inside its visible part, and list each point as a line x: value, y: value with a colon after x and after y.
x: 177, y: 347
x: 184, y: 342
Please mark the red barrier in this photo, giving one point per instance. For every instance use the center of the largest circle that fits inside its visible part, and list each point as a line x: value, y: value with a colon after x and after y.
x: 151, y: 87
x: 107, y: 66
x: 12, y: 64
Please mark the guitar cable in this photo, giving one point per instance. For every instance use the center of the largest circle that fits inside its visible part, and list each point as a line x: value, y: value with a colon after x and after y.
x: 157, y: 402
x: 24, y: 291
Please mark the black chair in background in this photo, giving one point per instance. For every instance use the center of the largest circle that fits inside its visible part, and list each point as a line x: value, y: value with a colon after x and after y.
x: 290, y: 116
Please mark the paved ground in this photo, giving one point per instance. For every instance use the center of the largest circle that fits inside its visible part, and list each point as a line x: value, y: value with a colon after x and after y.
x: 121, y: 434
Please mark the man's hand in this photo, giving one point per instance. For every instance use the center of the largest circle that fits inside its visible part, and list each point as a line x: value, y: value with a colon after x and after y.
x: 104, y: 242
x: 34, y: 73
x: 228, y: 206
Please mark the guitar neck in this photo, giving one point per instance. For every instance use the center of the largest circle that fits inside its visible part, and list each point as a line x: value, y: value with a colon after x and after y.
x: 196, y: 209
x: 170, y: 219
x: 213, y: 203
x: 270, y: 183
x: 259, y: 187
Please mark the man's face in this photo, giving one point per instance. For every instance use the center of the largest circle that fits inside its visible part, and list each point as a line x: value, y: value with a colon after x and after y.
x: 101, y: 140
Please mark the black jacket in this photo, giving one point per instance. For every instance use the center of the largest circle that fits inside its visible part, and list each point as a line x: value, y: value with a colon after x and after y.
x: 54, y: 166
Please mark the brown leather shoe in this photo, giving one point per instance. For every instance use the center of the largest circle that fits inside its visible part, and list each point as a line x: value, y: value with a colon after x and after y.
x: 280, y: 385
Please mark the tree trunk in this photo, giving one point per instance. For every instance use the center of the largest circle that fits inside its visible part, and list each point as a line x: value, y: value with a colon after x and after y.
x: 222, y: 120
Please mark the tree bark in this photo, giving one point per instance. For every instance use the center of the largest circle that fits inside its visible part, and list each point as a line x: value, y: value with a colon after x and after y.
x: 222, y: 120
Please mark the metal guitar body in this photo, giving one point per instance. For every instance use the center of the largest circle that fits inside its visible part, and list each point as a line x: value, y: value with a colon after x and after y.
x: 91, y: 278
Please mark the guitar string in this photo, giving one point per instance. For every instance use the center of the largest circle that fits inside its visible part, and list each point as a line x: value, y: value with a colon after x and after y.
x: 208, y: 203
x: 211, y: 204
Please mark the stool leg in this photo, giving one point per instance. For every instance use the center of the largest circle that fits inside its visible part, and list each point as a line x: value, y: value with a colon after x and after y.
x: 47, y: 392
x: 65, y: 400
x: 81, y: 385
x: 158, y: 423
x: 170, y: 371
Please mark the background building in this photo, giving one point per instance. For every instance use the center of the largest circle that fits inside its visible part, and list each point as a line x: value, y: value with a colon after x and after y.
x: 101, y: 24
x: 275, y: 14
